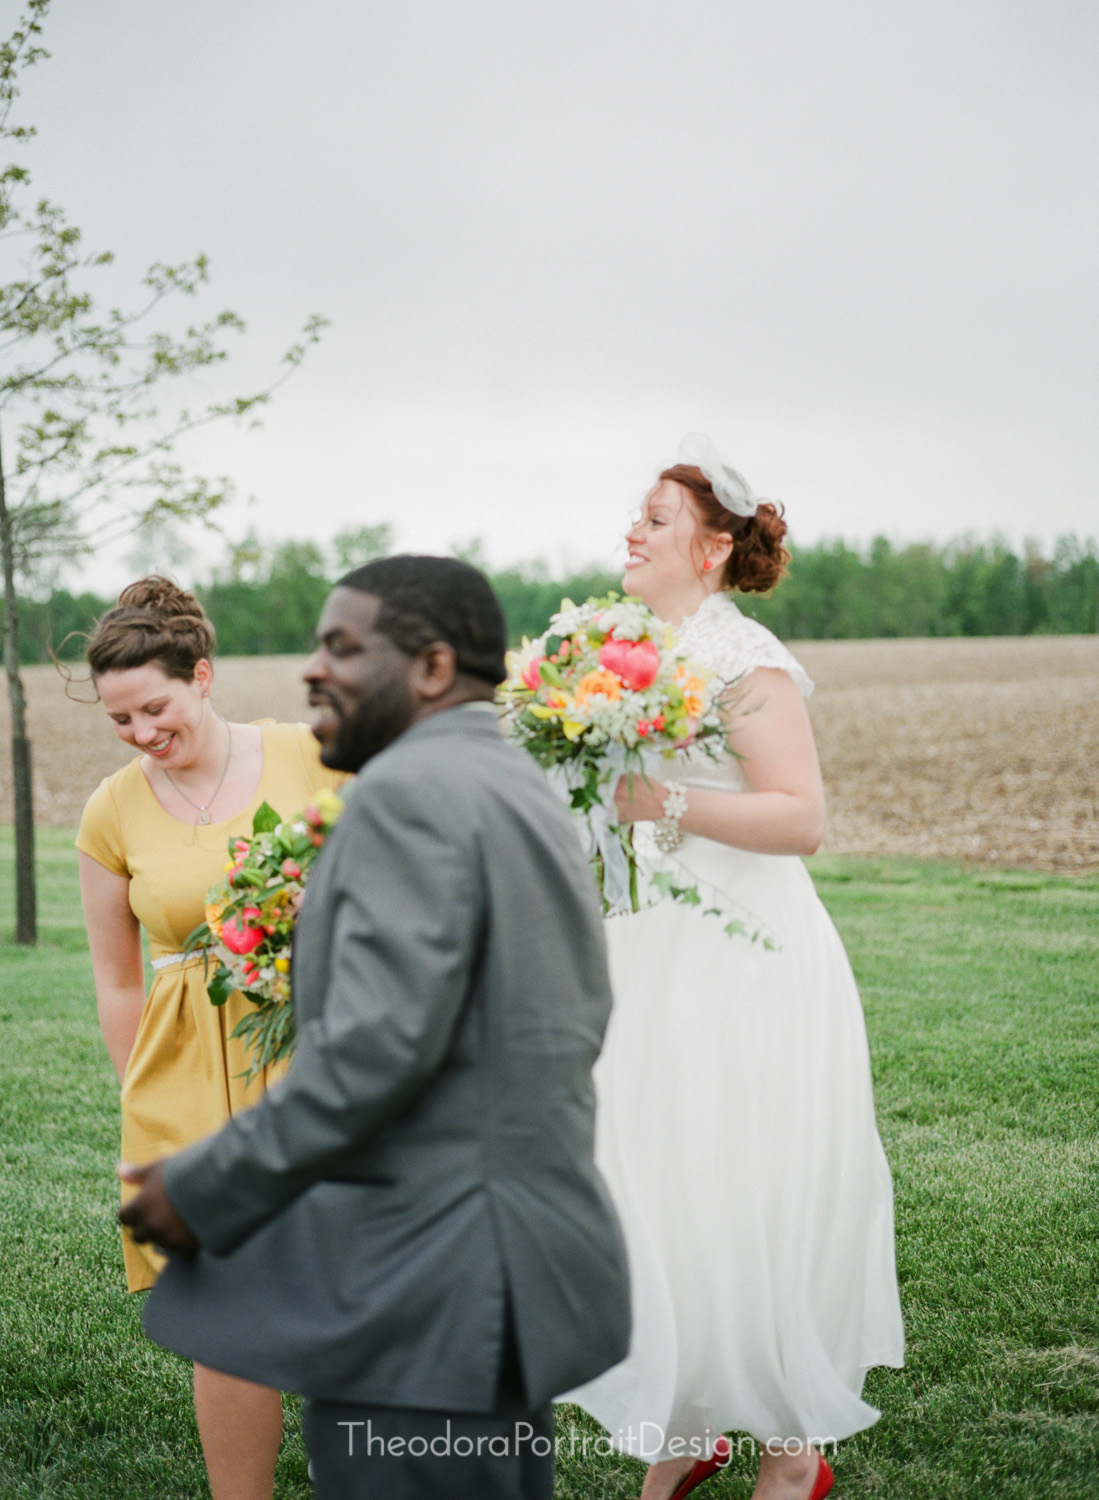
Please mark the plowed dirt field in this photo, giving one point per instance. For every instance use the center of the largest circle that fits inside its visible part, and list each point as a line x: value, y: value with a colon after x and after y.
x: 981, y: 750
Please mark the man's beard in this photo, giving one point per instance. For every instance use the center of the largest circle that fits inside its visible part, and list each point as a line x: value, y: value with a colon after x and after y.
x: 376, y: 723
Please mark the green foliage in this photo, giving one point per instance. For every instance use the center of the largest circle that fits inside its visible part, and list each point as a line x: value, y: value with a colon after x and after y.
x: 88, y: 453
x: 980, y: 992
x: 529, y: 596
x: 92, y: 454
x: 836, y: 592
x: 266, y: 820
x: 267, y: 598
x: 357, y: 545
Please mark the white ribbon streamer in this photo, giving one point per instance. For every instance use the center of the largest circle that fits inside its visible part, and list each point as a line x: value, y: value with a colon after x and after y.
x: 601, y: 823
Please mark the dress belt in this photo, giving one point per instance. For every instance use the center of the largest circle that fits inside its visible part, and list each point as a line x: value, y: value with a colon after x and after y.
x: 178, y: 958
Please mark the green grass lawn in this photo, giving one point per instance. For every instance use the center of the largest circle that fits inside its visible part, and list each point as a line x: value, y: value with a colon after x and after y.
x: 982, y: 997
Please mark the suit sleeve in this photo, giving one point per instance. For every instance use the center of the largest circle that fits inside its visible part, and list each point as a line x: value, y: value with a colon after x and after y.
x: 407, y: 905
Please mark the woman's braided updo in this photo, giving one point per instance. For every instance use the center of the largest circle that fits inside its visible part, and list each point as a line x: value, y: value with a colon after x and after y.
x: 154, y: 621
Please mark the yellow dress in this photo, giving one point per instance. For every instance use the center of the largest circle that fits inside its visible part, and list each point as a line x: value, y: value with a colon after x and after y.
x: 182, y: 1078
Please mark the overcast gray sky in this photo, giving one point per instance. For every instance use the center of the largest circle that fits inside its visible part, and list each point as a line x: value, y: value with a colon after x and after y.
x: 855, y: 240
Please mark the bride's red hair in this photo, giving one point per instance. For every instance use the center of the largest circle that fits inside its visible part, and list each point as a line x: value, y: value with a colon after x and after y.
x: 758, y: 559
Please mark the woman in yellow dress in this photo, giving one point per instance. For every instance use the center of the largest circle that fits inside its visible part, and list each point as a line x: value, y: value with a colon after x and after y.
x: 152, y: 840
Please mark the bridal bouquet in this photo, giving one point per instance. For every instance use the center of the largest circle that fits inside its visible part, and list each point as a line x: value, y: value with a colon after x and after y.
x: 250, y: 915
x: 607, y: 692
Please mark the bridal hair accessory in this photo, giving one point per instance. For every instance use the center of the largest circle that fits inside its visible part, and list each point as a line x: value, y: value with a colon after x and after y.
x: 730, y: 487
x: 667, y: 832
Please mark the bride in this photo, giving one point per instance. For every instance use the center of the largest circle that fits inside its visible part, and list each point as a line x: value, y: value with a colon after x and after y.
x: 736, y: 1117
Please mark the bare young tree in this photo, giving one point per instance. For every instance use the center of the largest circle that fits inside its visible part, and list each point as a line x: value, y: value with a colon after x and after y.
x: 86, y: 447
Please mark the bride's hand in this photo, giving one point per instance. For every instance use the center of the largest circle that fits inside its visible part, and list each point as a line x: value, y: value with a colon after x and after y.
x: 639, y: 800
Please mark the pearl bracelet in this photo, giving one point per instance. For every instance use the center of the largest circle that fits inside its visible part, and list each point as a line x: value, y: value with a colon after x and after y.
x: 667, y: 831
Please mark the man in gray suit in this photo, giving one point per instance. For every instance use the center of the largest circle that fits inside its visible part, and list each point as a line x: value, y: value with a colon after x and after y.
x: 409, y: 1228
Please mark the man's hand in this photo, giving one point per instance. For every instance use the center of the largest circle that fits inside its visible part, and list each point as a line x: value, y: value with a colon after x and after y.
x: 151, y: 1214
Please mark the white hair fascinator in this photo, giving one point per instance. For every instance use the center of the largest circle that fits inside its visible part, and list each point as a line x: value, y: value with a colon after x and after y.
x: 730, y: 487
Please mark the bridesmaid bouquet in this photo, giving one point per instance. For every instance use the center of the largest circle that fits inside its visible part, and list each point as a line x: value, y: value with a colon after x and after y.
x: 606, y: 692
x: 249, y: 926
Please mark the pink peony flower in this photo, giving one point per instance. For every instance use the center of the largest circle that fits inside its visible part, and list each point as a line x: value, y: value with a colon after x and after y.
x: 239, y: 936
x: 291, y: 869
x: 637, y: 663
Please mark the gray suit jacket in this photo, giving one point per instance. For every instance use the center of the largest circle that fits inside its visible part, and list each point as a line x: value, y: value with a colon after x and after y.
x: 428, y: 1157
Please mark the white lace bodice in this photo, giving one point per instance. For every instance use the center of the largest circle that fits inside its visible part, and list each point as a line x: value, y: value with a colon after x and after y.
x: 718, y: 636
x: 731, y: 644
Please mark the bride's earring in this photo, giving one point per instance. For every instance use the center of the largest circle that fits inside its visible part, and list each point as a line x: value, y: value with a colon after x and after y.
x: 708, y: 564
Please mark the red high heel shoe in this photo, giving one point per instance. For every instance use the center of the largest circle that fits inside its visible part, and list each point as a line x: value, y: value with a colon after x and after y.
x: 825, y: 1480
x: 705, y: 1467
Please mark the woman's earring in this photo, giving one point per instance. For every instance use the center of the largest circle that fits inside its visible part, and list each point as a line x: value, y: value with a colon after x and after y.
x: 708, y: 564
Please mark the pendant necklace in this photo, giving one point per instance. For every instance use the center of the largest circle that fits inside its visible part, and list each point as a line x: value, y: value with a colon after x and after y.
x: 202, y: 808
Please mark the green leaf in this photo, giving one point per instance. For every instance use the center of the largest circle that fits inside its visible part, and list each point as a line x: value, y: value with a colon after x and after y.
x: 266, y: 819
x: 220, y: 987
x: 200, y: 937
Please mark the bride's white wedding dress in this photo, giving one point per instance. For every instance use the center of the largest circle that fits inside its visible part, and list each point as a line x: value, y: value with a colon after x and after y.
x: 736, y: 1131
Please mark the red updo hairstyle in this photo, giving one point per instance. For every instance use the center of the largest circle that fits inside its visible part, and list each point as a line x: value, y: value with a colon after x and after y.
x: 758, y: 559
x: 154, y: 621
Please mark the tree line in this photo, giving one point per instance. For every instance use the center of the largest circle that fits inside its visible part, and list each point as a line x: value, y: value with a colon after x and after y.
x: 266, y: 600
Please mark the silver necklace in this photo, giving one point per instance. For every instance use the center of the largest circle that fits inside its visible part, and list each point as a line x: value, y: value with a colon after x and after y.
x: 203, y: 808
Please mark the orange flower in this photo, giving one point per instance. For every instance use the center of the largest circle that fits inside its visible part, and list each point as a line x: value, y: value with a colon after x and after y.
x: 598, y: 682
x: 694, y: 694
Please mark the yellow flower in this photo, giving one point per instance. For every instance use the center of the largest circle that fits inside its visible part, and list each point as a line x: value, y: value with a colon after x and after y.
x: 556, y: 703
x: 329, y: 804
x: 282, y: 965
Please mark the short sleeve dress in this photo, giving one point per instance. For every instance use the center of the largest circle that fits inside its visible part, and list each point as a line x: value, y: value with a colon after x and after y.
x: 182, y: 1081
x: 735, y: 1128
